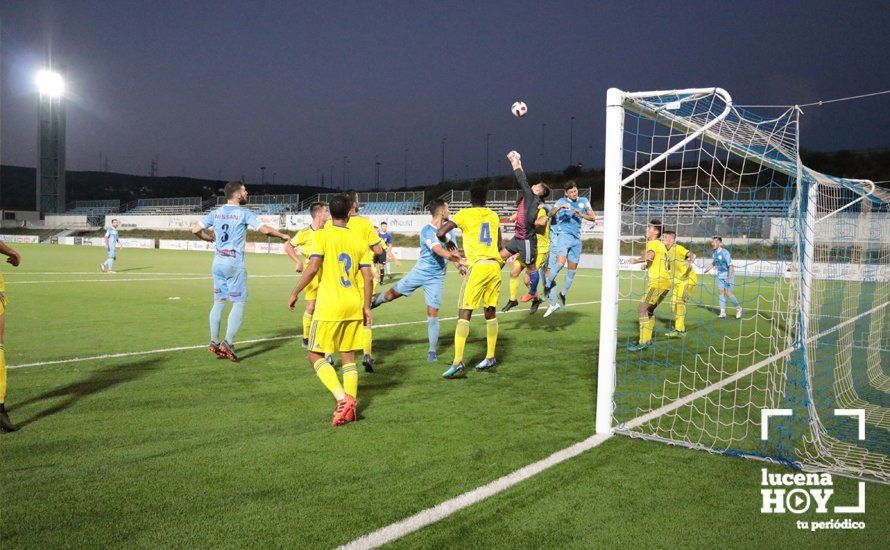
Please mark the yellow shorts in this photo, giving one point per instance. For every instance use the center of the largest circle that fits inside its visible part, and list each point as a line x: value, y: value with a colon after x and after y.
x: 311, y: 290
x: 3, y: 302
x: 543, y: 258
x: 683, y: 290
x: 655, y: 294
x: 482, y: 286
x: 330, y: 336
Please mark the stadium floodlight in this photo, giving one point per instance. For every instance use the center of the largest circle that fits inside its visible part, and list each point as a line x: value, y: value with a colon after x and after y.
x: 50, y: 83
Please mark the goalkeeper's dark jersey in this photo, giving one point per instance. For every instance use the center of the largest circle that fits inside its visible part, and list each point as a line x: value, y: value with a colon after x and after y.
x: 527, y: 211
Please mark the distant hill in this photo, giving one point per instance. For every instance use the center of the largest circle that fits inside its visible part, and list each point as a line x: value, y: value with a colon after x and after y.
x: 17, y: 187
x: 18, y: 190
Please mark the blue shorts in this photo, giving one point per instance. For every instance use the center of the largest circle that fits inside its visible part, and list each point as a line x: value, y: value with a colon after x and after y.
x: 229, y: 282
x: 569, y: 245
x: 432, y: 286
x: 723, y: 284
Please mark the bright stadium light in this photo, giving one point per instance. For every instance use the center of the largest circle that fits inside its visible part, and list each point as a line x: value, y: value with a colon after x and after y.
x: 50, y: 83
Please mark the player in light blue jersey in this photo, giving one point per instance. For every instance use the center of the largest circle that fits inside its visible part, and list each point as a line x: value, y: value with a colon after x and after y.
x: 568, y: 212
x: 722, y: 262
x: 112, y: 241
x: 226, y: 227
x: 428, y: 272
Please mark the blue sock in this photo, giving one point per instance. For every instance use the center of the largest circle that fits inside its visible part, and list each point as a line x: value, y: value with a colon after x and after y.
x: 722, y: 301
x: 733, y: 299
x: 432, y: 330
x: 215, y: 316
x: 570, y: 277
x: 542, y: 275
x: 110, y: 263
x: 533, y: 282
x: 234, y: 322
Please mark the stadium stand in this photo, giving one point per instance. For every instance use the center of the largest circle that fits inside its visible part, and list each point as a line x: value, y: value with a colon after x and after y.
x: 384, y: 203
x: 502, y: 201
x: 264, y: 204
x: 152, y: 207
x: 93, y: 208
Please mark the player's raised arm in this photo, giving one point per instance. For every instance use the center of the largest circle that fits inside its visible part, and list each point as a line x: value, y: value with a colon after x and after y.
x: 13, y: 258
x: 266, y: 230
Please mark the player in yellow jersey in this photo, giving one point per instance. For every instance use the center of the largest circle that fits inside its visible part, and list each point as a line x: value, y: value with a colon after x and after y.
x: 658, y: 283
x: 296, y: 248
x: 12, y: 258
x: 481, y: 240
x: 365, y: 228
x: 339, y: 257
x: 684, y: 279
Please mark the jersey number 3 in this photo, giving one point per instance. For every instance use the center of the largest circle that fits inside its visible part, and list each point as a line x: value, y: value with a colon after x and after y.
x: 485, y: 234
x: 345, y: 261
x: 224, y: 238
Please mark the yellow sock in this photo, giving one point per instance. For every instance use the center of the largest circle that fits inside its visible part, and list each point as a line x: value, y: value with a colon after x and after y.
x: 328, y: 377
x: 680, y: 316
x: 514, y: 288
x: 491, y: 336
x: 2, y: 373
x: 307, y: 322
x: 460, y: 339
x: 350, y: 379
x: 646, y: 328
x: 367, y: 341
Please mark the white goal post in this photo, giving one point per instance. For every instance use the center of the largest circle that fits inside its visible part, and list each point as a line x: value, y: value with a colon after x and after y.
x: 810, y: 287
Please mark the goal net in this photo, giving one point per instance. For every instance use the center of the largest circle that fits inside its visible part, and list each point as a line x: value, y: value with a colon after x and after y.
x: 811, y: 275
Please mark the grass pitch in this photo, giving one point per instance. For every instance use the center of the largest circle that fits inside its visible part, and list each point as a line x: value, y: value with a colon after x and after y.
x: 176, y: 448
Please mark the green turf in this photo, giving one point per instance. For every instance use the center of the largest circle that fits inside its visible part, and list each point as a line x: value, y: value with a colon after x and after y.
x: 180, y: 449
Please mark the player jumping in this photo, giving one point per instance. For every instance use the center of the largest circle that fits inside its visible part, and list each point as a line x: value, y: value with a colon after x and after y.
x: 658, y: 283
x: 111, y: 241
x: 12, y: 258
x: 342, y: 255
x: 227, y: 227
x: 428, y: 272
x: 302, y: 239
x: 722, y: 261
x: 681, y: 262
x: 525, y: 239
x: 569, y: 210
x: 481, y: 241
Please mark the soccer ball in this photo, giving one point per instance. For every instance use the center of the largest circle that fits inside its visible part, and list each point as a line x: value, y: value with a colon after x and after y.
x: 519, y: 109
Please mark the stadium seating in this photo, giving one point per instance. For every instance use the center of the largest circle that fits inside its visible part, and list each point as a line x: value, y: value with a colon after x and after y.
x: 770, y: 207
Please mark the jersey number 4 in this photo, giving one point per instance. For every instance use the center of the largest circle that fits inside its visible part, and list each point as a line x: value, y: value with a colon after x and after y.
x: 485, y: 234
x: 346, y: 262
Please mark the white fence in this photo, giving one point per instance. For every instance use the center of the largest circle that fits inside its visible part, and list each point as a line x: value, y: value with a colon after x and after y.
x: 99, y: 241
x: 20, y: 239
x: 174, y: 222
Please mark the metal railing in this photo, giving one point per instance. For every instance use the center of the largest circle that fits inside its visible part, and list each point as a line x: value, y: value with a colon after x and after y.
x: 506, y: 195
x: 268, y: 199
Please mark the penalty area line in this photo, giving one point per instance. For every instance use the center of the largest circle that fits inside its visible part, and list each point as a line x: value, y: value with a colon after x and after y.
x: 252, y: 341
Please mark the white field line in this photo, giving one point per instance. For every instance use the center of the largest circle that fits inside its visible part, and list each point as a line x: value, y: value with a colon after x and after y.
x: 429, y: 516
x: 92, y: 273
x: 112, y: 278
x: 253, y: 341
x: 441, y: 511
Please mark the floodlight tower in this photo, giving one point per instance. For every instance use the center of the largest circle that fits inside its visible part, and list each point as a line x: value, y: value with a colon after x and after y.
x: 50, y: 142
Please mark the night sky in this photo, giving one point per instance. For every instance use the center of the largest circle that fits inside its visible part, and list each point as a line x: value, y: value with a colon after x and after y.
x: 218, y: 89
